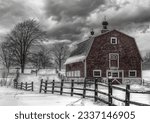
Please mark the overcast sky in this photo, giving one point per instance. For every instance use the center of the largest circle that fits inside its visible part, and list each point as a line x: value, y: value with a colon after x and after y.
x: 71, y: 20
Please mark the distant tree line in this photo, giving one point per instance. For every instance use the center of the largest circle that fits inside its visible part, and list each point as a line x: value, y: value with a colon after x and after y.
x: 24, y: 45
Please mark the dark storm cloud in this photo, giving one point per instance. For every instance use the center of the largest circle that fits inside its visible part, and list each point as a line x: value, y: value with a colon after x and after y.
x: 124, y: 16
x: 73, y: 19
x: 9, y: 11
x: 70, y: 8
x: 142, y: 15
x: 69, y: 31
x: 70, y: 11
x: 13, y: 11
x: 131, y: 17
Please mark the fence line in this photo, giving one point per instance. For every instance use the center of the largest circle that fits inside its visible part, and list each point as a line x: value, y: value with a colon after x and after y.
x: 146, y: 83
x: 23, y: 86
x: 51, y: 87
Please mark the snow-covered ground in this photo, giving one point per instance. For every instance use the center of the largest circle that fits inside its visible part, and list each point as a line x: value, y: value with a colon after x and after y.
x: 47, y: 74
x: 146, y: 75
x: 10, y: 96
x: 13, y: 97
x: 141, y: 98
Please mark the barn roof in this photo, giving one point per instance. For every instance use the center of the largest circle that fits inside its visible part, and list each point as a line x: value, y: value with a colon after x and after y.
x: 83, y: 47
x: 81, y: 51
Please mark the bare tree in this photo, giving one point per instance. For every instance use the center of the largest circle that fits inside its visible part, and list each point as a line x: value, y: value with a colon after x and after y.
x: 22, y: 38
x: 147, y: 57
x: 42, y: 58
x: 6, y: 55
x: 60, y: 53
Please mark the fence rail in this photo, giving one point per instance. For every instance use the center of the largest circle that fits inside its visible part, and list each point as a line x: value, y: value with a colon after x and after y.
x: 24, y: 86
x: 146, y: 83
x: 61, y: 89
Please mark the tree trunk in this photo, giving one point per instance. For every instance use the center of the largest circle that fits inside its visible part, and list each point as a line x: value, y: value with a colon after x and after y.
x: 22, y: 68
x: 23, y: 63
x: 59, y: 65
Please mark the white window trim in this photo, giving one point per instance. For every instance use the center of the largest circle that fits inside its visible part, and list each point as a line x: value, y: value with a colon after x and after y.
x: 67, y: 74
x: 78, y: 73
x: 75, y: 73
x: 72, y: 73
x: 115, y: 40
x: 115, y: 71
x: 110, y: 61
x: 133, y: 71
x: 97, y: 71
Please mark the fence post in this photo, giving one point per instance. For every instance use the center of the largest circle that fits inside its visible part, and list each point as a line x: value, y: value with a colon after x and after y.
x: 143, y: 82
x: 45, y: 90
x: 84, y: 89
x: 53, y: 85
x: 127, y: 96
x: 16, y: 85
x: 109, y: 92
x: 26, y: 86
x: 72, y: 86
x: 61, y: 88
x: 96, y: 89
x: 32, y: 86
x: 21, y: 85
x: 41, y: 86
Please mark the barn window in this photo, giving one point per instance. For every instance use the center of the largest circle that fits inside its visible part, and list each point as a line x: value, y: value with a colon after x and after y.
x: 115, y: 74
x: 114, y: 40
x: 67, y: 74
x: 75, y: 73
x: 72, y: 73
x: 78, y: 73
x: 132, y: 73
x: 96, y: 73
x: 114, y: 60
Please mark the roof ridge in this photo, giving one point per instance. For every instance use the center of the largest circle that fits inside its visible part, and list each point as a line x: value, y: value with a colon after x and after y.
x: 94, y: 36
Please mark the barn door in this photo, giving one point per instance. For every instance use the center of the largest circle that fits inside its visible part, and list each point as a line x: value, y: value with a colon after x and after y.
x: 115, y: 76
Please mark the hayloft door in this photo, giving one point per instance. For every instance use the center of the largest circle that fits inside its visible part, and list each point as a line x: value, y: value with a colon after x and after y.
x: 113, y: 60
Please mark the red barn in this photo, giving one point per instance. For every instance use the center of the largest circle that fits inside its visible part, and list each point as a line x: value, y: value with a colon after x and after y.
x: 110, y: 54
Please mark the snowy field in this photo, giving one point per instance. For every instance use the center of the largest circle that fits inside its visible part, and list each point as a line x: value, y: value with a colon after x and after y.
x: 10, y: 96
x: 146, y: 75
x: 13, y: 97
x: 141, y: 98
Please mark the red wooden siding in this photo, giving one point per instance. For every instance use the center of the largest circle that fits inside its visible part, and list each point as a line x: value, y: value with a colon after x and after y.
x: 98, y: 57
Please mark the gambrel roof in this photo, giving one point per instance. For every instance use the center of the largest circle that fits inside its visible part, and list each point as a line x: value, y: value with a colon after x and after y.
x: 80, y: 53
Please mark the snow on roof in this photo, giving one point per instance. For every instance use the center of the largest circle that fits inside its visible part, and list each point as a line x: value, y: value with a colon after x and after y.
x: 75, y: 59
x: 82, y: 48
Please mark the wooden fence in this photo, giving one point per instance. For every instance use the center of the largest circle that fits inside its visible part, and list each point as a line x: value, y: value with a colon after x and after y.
x: 24, y: 86
x: 146, y: 83
x: 46, y: 86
